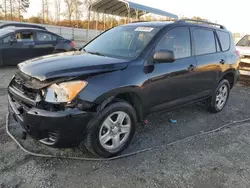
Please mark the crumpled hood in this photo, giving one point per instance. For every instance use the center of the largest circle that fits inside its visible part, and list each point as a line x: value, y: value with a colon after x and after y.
x: 69, y: 64
x: 244, y: 50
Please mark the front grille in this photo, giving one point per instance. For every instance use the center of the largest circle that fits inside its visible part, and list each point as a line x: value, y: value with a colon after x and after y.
x: 18, y: 84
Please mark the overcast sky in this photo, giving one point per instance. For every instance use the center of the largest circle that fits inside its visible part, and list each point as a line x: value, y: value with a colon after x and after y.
x: 233, y: 14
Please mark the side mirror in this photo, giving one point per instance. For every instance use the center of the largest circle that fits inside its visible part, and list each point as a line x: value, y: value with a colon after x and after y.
x: 12, y: 40
x: 164, y: 56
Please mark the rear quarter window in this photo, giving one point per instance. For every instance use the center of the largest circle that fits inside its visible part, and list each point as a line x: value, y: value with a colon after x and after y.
x: 224, y: 38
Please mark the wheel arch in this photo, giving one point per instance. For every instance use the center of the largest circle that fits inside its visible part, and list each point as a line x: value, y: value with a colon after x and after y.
x: 129, y: 96
x: 229, y: 75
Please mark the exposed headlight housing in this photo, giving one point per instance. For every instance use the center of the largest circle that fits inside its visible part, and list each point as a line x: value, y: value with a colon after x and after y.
x: 64, y: 92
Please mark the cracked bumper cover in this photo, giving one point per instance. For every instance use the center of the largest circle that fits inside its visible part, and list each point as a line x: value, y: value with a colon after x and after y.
x: 71, y: 124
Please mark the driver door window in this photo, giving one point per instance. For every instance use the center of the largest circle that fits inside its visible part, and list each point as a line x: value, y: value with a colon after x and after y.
x: 24, y: 36
x: 178, y: 41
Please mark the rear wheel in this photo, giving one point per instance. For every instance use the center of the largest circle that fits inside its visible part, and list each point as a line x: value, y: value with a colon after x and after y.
x: 219, y: 98
x: 111, y: 132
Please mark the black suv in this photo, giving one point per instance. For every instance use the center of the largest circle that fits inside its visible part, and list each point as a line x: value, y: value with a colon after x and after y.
x: 20, y: 42
x: 99, y: 94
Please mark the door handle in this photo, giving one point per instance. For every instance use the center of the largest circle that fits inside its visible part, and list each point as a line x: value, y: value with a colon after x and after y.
x: 222, y: 61
x: 191, y: 67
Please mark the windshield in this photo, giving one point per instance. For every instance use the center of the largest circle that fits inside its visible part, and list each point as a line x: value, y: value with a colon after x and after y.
x: 122, y: 42
x: 245, y: 41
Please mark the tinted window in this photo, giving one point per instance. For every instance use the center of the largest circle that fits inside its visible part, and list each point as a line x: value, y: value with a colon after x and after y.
x: 178, y: 41
x: 54, y: 37
x: 204, y: 41
x: 245, y: 41
x: 42, y: 36
x: 224, y: 40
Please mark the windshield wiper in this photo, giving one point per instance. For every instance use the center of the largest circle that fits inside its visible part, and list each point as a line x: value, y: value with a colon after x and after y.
x: 95, y: 53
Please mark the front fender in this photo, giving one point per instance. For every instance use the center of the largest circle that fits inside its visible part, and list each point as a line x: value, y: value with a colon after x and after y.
x: 103, y: 86
x: 118, y: 91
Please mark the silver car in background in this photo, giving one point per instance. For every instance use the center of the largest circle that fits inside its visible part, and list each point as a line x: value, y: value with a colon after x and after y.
x: 243, y: 47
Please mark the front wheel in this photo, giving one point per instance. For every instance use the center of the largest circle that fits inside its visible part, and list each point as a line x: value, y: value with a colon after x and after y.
x: 219, y: 98
x: 111, y: 132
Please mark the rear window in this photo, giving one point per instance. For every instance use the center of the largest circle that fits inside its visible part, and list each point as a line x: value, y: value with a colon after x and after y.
x: 224, y: 40
x: 204, y: 41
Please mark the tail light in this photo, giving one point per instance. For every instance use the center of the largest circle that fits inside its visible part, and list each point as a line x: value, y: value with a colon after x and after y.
x: 72, y: 44
x: 237, y: 52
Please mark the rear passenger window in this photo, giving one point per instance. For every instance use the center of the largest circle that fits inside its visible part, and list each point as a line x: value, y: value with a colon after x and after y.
x: 178, y: 41
x: 204, y: 41
x: 54, y: 37
x: 42, y: 36
x: 224, y: 40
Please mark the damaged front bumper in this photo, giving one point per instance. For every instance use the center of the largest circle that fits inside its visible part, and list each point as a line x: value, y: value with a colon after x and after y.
x: 63, y: 128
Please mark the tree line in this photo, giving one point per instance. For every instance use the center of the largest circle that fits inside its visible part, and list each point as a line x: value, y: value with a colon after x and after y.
x: 13, y: 8
x: 70, y: 13
x: 55, y: 12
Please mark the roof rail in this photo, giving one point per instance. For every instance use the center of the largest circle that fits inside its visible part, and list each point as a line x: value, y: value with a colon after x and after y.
x: 22, y: 25
x: 201, y: 21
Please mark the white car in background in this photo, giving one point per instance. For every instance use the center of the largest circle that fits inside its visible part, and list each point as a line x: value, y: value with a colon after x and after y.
x: 243, y: 47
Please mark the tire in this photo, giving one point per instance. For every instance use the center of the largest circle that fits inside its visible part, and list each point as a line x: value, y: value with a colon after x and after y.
x: 98, y: 130
x: 214, y: 103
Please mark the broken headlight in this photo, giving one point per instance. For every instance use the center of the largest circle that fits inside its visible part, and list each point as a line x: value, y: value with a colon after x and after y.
x: 64, y: 92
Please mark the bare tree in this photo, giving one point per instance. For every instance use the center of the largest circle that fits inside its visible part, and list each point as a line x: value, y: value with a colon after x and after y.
x: 87, y: 4
x: 70, y: 8
x: 11, y: 9
x: 45, y: 10
x: 78, y: 10
x: 23, y: 5
x: 58, y: 10
x: 4, y: 8
x: 3, y: 5
x: 46, y: 5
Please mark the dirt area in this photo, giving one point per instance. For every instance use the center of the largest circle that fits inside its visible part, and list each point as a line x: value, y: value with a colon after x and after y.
x: 220, y: 159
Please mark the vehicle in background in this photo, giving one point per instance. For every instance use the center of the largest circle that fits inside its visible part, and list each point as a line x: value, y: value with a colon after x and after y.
x: 243, y: 47
x: 100, y: 93
x: 20, y: 42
